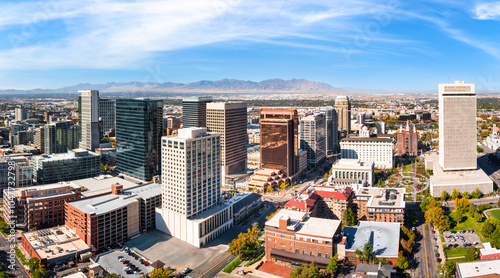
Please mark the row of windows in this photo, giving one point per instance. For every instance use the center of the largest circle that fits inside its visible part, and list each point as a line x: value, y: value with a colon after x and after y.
x: 311, y: 253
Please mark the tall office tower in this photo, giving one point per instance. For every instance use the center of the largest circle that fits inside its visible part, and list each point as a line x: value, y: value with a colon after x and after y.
x: 279, y: 141
x: 21, y: 113
x: 107, y: 116
x: 138, y: 135
x: 194, y: 111
x: 39, y: 138
x: 343, y: 108
x: 90, y: 119
x: 192, y: 209
x: 191, y: 171
x: 457, y: 126
x: 312, y: 138
x: 331, y: 131
x: 229, y: 120
x: 61, y: 137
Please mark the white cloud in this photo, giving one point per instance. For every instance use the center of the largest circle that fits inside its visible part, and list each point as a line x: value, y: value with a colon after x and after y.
x: 487, y: 11
x: 118, y: 34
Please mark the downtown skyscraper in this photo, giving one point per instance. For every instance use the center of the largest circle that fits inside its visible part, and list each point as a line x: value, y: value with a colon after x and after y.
x: 89, y: 102
x: 194, y: 111
x: 138, y: 134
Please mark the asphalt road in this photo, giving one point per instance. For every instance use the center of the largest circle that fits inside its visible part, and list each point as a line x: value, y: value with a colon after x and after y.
x: 424, y: 261
x: 4, y: 255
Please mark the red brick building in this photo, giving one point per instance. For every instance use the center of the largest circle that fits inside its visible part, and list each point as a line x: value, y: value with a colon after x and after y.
x: 38, y: 206
x: 291, y: 237
x: 407, y: 141
x: 488, y: 252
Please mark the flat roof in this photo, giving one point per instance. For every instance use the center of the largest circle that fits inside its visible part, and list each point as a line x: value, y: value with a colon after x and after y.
x: 111, y: 202
x: 295, y: 216
x: 386, y: 197
x: 55, y: 242
x: 366, y: 139
x: 308, y: 226
x: 102, y: 184
x: 478, y: 268
x: 440, y: 177
x: 354, y: 164
x: 76, y: 153
x: 208, y: 213
x: 384, y: 237
x: 488, y: 249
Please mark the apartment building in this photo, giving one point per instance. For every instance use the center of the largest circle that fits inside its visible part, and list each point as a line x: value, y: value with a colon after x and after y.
x: 381, y: 204
x: 23, y: 172
x: 38, y: 206
x: 292, y: 237
x: 380, y: 150
x: 73, y: 165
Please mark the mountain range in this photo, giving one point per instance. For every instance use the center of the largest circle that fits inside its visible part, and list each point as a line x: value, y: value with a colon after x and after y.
x: 205, y: 86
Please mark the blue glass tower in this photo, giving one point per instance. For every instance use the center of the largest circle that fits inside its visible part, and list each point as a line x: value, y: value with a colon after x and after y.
x: 138, y: 135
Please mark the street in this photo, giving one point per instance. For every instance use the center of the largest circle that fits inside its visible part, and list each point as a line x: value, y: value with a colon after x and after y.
x: 424, y: 261
x: 4, y: 255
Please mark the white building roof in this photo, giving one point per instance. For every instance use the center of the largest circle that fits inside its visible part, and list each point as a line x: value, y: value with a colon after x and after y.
x: 384, y: 237
x: 488, y: 250
x: 478, y: 268
x: 308, y: 226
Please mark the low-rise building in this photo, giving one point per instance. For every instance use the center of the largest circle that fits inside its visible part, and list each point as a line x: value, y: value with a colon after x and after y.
x: 374, y: 271
x: 263, y: 178
x: 380, y: 204
x: 38, y: 206
x: 108, y: 219
x: 243, y: 205
x: 488, y: 252
x: 384, y: 238
x: 73, y: 165
x: 479, y: 269
x: 55, y: 245
x: 333, y: 201
x: 292, y: 237
x: 352, y: 171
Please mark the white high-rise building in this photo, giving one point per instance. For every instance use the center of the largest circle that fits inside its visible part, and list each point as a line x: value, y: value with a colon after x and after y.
x: 312, y: 138
x: 90, y: 119
x: 457, y: 126
x: 21, y: 113
x: 191, y: 175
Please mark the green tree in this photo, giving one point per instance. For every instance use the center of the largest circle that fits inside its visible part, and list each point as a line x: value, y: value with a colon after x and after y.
x: 40, y: 273
x: 332, y: 265
x: 449, y: 267
x: 245, y: 243
x: 112, y: 275
x: 471, y: 254
x: 444, y: 195
x: 402, y: 262
x: 457, y: 216
x: 462, y: 204
x: 483, y: 207
x: 495, y: 239
x: 33, y: 264
x: 498, y: 203
x: 455, y: 194
x: 4, y: 227
x: 160, y: 273
x: 466, y: 195
x: 436, y: 217
x: 306, y: 271
x: 349, y: 218
x: 368, y: 251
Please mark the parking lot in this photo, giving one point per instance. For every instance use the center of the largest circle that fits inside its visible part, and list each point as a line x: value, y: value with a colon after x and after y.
x: 459, y: 239
x: 111, y: 262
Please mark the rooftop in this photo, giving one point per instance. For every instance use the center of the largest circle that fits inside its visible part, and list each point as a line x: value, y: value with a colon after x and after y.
x: 102, y: 184
x: 110, y: 202
x: 301, y: 224
x: 242, y: 200
x: 488, y: 249
x: 208, y: 213
x: 441, y: 177
x: 69, y: 155
x: 55, y: 242
x: 386, y: 197
x: 384, y: 237
x: 356, y: 164
x: 478, y: 268
x: 367, y: 139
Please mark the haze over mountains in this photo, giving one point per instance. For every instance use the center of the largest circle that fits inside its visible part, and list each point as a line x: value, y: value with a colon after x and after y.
x: 205, y: 86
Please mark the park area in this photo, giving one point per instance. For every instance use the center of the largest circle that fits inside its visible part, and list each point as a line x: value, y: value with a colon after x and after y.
x: 495, y: 213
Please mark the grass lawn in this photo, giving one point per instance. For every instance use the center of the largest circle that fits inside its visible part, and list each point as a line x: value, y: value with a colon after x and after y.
x: 468, y: 224
x: 495, y: 213
x: 442, y: 239
x: 232, y: 265
x: 455, y: 252
x: 407, y: 174
x: 407, y: 167
x: 458, y: 260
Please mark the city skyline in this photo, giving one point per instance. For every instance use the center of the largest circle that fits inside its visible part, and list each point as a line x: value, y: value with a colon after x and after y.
x: 361, y: 46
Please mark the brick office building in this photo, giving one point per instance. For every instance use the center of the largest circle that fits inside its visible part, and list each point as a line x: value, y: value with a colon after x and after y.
x: 291, y: 237
x: 380, y: 204
x: 38, y: 206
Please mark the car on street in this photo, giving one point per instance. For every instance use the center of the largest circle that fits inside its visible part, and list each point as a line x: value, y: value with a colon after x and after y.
x: 186, y: 270
x: 437, y: 255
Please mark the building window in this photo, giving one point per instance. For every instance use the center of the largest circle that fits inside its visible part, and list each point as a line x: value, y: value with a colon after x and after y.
x: 282, y: 244
x: 268, y: 239
x: 312, y: 254
x: 282, y: 236
x: 319, y: 254
x: 304, y: 252
x: 327, y: 256
x: 297, y: 251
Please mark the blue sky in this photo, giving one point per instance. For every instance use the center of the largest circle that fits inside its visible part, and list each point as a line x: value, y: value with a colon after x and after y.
x: 384, y: 45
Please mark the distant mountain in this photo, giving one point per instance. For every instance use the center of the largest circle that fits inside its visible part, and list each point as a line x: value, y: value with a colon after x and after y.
x: 205, y: 86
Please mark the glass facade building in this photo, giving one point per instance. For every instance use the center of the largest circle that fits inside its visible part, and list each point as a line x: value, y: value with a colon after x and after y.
x: 138, y: 135
x: 61, y: 137
x: 194, y: 111
x: 279, y: 140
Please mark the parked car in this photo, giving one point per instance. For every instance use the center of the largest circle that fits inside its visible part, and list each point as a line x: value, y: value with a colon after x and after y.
x: 186, y: 270
x: 125, y: 261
